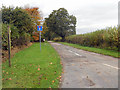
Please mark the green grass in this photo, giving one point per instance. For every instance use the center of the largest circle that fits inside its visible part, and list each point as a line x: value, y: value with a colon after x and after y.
x: 25, y: 72
x: 92, y: 49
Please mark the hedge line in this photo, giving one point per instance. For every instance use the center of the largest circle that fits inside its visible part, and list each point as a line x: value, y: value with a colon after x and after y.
x: 21, y: 26
x: 104, y: 38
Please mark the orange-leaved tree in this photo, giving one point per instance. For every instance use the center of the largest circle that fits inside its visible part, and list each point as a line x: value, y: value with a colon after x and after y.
x: 37, y: 17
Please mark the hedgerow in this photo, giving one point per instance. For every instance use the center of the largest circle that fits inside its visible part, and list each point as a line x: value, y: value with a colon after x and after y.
x: 104, y: 38
x: 21, y: 26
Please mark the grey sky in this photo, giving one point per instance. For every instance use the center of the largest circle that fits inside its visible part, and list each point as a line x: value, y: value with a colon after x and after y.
x: 91, y: 14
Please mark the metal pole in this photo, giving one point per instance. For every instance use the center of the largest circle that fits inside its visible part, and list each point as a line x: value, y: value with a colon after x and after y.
x: 9, y: 46
x: 40, y: 40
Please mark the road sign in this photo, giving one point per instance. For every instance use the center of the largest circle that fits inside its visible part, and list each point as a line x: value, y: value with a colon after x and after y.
x: 39, y: 28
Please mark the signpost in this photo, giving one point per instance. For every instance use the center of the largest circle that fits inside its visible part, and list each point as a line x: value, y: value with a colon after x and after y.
x: 39, y: 28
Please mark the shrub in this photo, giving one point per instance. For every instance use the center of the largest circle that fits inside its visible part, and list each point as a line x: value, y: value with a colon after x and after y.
x: 57, y: 39
x: 104, y: 38
x: 21, y: 26
x: 14, y: 35
x: 16, y: 38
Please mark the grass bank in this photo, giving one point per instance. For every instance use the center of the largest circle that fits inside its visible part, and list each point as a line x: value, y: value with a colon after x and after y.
x: 92, y: 49
x: 33, y: 69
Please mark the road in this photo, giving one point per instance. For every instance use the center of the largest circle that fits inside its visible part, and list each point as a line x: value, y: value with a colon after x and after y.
x: 83, y: 69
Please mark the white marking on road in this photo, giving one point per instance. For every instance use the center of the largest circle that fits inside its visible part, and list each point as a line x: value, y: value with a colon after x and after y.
x: 75, y: 53
x: 78, y: 54
x: 70, y: 51
x: 110, y: 66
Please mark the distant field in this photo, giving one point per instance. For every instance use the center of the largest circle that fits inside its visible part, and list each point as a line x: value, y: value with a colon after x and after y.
x: 33, y: 69
x: 92, y: 49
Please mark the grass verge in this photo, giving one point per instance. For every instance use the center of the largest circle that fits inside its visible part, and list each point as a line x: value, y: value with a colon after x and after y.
x: 32, y: 68
x: 96, y: 50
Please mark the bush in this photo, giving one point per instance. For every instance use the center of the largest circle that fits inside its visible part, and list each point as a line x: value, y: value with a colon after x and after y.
x: 57, y: 39
x: 105, y: 38
x: 14, y: 35
x: 16, y: 38
x: 21, y: 26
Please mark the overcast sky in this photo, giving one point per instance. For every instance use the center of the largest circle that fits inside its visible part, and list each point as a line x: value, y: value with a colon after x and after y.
x: 91, y: 14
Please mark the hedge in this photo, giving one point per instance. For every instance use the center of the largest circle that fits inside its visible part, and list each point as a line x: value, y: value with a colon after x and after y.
x: 104, y: 38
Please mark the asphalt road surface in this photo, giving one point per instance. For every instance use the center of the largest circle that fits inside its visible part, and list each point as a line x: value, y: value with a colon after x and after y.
x: 83, y: 69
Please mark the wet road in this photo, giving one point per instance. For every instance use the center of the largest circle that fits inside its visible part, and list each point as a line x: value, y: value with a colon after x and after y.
x: 83, y: 69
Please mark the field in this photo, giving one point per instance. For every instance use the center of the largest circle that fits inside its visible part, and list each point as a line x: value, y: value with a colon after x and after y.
x: 33, y: 69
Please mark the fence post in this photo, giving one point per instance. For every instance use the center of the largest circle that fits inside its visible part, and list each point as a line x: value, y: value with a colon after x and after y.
x: 9, y: 46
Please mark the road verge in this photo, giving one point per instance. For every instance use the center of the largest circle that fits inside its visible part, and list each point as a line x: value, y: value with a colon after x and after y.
x: 96, y: 50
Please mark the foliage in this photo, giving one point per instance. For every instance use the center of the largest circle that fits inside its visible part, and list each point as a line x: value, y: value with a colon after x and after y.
x: 61, y: 23
x: 14, y: 35
x: 105, y: 38
x: 19, y: 18
x: 21, y: 26
x: 45, y: 33
x: 36, y: 16
x: 57, y: 39
x: 48, y: 34
x: 33, y: 69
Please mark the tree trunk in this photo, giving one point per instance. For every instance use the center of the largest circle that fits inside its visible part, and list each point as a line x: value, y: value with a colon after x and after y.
x: 63, y: 39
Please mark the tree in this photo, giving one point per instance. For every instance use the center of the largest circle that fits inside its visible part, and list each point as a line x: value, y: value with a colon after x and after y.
x: 47, y: 34
x: 61, y: 23
x: 72, y: 30
x: 36, y: 16
x: 20, y: 23
x: 19, y: 18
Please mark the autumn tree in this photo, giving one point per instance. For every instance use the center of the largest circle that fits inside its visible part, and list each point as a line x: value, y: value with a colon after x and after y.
x: 36, y: 16
x: 61, y: 23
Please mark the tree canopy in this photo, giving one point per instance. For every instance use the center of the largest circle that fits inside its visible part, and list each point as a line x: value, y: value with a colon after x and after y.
x: 19, y: 18
x: 36, y: 16
x: 22, y: 23
x: 61, y: 23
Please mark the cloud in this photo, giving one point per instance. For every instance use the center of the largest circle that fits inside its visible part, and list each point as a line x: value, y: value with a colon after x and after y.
x: 91, y: 14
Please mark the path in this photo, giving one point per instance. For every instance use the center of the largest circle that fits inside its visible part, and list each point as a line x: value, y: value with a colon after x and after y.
x: 83, y: 69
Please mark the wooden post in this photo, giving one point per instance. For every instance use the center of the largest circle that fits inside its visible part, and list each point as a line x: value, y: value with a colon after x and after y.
x: 9, y: 46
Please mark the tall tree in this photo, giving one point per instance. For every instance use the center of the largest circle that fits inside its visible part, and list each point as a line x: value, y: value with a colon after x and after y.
x: 19, y: 18
x: 61, y: 23
x: 36, y: 16
x: 20, y: 23
x: 48, y: 34
x: 72, y: 29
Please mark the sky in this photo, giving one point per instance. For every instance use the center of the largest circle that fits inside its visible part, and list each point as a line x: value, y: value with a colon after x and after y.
x: 91, y: 15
